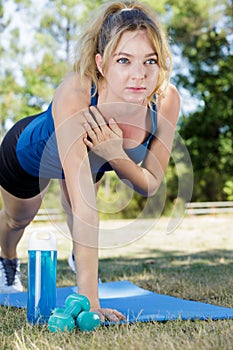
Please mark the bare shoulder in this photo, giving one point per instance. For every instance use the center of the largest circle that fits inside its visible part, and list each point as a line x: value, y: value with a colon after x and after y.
x: 73, y: 81
x: 172, y: 92
x: 71, y: 96
x: 170, y: 104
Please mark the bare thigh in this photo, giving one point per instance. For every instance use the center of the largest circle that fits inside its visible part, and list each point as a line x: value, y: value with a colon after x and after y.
x: 21, y: 210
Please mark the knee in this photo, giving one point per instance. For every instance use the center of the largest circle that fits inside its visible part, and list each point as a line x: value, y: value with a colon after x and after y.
x: 15, y: 223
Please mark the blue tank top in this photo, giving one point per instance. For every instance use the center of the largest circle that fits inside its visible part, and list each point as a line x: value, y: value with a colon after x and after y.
x: 37, y: 149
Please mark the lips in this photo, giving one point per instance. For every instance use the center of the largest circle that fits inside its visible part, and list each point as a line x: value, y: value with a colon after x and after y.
x: 137, y: 88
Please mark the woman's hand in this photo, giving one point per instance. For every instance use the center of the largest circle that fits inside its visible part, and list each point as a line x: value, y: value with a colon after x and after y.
x: 111, y: 315
x: 105, y: 140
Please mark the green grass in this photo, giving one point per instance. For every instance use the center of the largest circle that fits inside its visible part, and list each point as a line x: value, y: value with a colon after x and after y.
x: 196, y: 262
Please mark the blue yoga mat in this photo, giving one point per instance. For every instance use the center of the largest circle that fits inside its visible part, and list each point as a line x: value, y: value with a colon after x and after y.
x: 137, y: 304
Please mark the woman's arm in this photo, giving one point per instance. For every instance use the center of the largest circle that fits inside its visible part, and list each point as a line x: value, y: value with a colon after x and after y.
x: 157, y: 159
x: 146, y: 178
x: 69, y: 102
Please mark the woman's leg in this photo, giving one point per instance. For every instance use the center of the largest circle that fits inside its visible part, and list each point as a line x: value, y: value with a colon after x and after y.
x: 14, y: 218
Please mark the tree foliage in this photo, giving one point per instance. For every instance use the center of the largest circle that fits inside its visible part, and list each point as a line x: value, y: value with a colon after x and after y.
x: 206, y: 44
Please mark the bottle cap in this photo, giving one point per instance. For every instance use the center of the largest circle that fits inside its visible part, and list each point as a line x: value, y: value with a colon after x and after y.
x: 42, y: 241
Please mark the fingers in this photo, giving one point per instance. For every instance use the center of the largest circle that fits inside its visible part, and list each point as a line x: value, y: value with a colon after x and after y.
x: 94, y: 136
x: 91, y: 132
x: 118, y: 314
x: 111, y: 315
x: 115, y: 128
x: 94, y: 118
x: 97, y: 116
x: 114, y: 315
x: 95, y: 126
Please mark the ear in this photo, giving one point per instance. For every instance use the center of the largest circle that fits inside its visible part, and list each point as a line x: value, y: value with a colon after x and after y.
x: 99, y: 62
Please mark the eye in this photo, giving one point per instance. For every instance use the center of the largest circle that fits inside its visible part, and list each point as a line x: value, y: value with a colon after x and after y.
x: 123, y: 60
x: 152, y: 61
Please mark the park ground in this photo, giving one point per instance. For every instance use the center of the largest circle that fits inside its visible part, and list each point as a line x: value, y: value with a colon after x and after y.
x: 193, y: 261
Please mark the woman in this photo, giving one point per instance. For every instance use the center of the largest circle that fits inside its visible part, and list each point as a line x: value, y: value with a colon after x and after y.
x: 123, y: 67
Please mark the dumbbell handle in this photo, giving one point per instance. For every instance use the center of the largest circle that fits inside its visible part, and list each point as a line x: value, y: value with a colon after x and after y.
x: 82, y: 299
x: 73, y: 309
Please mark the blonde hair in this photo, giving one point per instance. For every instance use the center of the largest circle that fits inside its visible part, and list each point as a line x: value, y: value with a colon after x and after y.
x: 104, y: 31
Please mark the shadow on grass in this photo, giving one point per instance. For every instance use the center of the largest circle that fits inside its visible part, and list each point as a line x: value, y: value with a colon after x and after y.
x: 204, y: 276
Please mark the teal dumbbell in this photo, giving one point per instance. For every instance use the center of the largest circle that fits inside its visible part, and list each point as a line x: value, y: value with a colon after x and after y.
x: 87, y: 321
x: 62, y: 319
x: 73, y: 300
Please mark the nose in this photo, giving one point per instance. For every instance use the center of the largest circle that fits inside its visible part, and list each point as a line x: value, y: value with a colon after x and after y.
x: 138, y: 71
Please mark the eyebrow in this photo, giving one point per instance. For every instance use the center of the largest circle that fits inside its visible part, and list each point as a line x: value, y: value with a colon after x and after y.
x: 129, y: 55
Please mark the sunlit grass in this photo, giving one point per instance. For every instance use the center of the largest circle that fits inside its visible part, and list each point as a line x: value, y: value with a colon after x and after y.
x: 195, y: 262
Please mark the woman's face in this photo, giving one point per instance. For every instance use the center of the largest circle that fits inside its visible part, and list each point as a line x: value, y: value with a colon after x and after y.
x: 131, y: 73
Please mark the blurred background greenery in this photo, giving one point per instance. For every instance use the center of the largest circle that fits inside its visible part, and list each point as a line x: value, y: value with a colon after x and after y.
x: 37, y: 50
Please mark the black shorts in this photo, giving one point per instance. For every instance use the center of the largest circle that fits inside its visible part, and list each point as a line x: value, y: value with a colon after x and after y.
x: 13, y: 178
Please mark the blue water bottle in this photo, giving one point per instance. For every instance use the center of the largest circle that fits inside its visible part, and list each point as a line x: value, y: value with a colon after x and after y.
x: 42, y: 266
